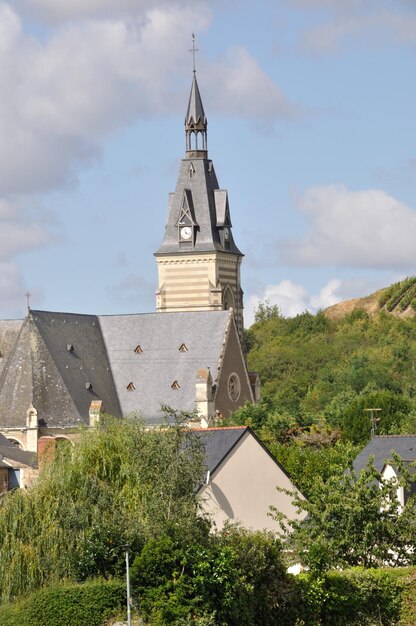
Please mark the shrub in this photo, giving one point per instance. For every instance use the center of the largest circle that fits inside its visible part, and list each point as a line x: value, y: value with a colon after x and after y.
x: 67, y: 605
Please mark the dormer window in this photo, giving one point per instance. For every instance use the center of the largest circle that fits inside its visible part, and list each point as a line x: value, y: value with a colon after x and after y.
x: 69, y: 347
x: 138, y: 349
x: 175, y: 385
x: 131, y: 387
x: 183, y: 348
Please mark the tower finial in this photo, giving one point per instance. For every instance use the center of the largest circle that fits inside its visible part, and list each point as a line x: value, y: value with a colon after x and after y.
x: 193, y: 50
x: 27, y: 295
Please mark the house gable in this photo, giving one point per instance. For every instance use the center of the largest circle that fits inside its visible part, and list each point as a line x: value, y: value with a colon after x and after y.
x: 242, y: 484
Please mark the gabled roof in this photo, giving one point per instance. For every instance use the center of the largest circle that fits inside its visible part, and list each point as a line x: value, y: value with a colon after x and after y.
x: 73, y: 354
x: 61, y: 362
x: 161, y: 363
x: 381, y: 447
x: 218, y: 443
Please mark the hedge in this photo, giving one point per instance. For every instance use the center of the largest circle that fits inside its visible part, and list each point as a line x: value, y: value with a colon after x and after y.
x: 358, y: 597
x: 355, y: 597
x: 88, y: 604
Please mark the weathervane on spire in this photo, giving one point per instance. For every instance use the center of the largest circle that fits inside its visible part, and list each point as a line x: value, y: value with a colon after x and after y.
x: 27, y: 296
x: 193, y: 50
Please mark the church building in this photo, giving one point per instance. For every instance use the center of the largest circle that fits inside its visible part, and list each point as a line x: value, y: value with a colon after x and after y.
x: 59, y: 371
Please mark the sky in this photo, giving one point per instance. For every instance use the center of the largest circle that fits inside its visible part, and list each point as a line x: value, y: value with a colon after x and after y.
x: 311, y: 127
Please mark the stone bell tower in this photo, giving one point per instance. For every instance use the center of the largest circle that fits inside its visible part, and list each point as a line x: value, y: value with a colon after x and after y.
x: 198, y: 261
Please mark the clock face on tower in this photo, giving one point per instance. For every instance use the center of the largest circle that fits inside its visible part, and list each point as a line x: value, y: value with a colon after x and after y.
x: 186, y: 232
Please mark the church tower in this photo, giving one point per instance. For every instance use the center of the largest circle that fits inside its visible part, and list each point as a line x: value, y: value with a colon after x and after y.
x: 198, y: 261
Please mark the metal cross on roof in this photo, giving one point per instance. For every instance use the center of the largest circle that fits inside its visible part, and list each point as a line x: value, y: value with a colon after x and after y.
x: 193, y: 50
x: 27, y: 295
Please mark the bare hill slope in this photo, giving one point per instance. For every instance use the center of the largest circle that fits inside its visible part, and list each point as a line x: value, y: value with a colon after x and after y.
x: 399, y: 299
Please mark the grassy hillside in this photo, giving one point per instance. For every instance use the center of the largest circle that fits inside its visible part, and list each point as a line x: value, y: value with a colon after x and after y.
x: 328, y: 369
x: 398, y: 299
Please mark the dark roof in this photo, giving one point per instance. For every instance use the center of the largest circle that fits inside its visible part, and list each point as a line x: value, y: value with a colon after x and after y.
x: 75, y: 344
x: 60, y: 362
x: 195, y: 112
x: 160, y: 363
x: 9, y: 332
x: 381, y: 447
x: 11, y: 452
x: 207, y: 202
x: 218, y: 443
x: 208, y: 208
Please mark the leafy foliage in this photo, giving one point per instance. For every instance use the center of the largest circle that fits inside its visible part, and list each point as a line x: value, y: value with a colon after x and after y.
x: 120, y: 484
x: 315, y: 369
x: 67, y: 605
x: 355, y: 520
x: 236, y: 577
x: 399, y: 294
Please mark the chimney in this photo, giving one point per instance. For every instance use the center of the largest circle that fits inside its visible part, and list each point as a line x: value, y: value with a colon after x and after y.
x: 32, y: 429
x: 204, y: 396
x: 96, y: 408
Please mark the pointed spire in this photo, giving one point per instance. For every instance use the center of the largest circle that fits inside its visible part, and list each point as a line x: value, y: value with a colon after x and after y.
x: 195, y: 121
x: 195, y: 114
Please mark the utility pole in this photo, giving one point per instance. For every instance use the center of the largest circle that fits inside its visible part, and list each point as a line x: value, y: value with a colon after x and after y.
x: 128, y: 585
x: 373, y: 420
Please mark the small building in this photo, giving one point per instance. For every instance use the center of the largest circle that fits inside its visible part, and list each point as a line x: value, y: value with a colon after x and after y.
x: 381, y: 448
x: 17, y: 467
x: 242, y: 479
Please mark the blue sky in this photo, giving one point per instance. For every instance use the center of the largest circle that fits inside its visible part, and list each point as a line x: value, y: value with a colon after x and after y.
x: 311, y: 126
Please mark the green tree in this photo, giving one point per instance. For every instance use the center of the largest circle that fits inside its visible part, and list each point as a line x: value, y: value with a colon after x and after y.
x: 119, y: 484
x: 355, y: 520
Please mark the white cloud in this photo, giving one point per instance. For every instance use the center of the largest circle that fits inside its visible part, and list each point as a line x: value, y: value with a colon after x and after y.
x: 365, y: 228
x: 247, y: 88
x: 19, y: 233
x: 370, y: 21
x: 293, y: 299
x: 61, y: 96
x: 62, y: 10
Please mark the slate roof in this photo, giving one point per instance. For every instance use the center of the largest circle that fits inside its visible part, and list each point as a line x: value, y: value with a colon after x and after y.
x: 9, y: 331
x: 219, y: 442
x: 154, y: 370
x: 381, y: 447
x: 75, y: 356
x: 11, y: 452
x: 60, y: 362
x: 202, y: 190
x: 195, y: 112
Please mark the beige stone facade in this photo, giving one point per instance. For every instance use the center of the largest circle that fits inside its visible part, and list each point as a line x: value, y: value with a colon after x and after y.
x: 200, y: 282
x: 244, y: 486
